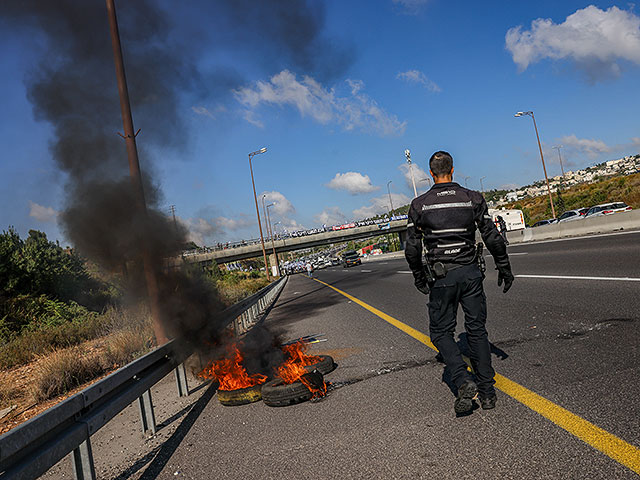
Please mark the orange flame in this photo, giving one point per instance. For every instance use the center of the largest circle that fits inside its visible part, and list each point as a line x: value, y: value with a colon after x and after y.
x: 293, y: 369
x: 230, y: 373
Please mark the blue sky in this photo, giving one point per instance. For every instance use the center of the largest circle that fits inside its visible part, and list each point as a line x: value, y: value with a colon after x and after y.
x: 423, y: 75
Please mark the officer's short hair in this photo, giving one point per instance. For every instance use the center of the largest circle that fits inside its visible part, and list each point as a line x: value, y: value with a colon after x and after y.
x: 441, y: 163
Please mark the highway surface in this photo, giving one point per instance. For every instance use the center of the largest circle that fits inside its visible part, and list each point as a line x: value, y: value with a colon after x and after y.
x: 566, y: 354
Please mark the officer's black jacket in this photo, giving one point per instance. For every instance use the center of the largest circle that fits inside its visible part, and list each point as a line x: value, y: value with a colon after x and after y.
x: 445, y: 218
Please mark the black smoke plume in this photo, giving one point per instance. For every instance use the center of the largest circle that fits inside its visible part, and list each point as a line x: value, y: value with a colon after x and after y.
x: 73, y: 88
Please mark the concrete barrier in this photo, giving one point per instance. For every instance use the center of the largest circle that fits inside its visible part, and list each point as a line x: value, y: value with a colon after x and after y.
x: 604, y: 224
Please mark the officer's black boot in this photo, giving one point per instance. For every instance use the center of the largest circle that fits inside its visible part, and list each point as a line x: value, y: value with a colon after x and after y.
x: 488, y: 402
x: 467, y: 392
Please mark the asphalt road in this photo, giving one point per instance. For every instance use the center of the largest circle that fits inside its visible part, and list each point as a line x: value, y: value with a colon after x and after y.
x: 389, y: 414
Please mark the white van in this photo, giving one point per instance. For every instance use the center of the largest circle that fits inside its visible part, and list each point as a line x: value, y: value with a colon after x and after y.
x: 513, y: 218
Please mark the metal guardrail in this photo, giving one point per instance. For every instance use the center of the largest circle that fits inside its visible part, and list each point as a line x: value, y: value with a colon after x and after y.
x: 30, y: 449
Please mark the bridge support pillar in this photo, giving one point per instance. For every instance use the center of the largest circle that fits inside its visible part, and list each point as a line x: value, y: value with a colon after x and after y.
x: 273, y: 263
x: 402, y: 235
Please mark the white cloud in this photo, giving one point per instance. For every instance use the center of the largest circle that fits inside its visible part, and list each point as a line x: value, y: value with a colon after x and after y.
x: 281, y: 211
x: 636, y: 141
x: 42, y: 213
x: 380, y: 205
x: 594, y: 39
x: 590, y: 147
x: 422, y: 178
x: 311, y: 99
x: 416, y: 76
x: 232, y: 224
x: 282, y: 205
x: 330, y: 216
x: 412, y: 6
x: 352, y: 182
x: 199, y: 230
x: 199, y: 110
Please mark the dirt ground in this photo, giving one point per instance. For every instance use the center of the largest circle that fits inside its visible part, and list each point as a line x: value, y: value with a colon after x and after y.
x: 20, y: 405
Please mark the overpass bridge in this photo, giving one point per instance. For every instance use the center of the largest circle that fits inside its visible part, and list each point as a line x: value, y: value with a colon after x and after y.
x: 295, y: 243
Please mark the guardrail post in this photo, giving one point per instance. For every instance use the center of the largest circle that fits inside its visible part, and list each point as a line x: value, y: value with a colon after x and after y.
x: 82, y: 459
x: 181, y: 381
x: 148, y: 419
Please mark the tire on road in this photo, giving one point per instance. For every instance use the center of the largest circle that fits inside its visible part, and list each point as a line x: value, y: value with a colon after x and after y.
x: 324, y: 366
x: 242, y: 396
x: 276, y: 393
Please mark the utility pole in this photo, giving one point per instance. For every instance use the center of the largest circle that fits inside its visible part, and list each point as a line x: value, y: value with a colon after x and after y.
x: 544, y: 168
x: 173, y: 212
x: 481, y: 186
x: 558, y: 147
x: 390, y: 201
x: 134, y: 172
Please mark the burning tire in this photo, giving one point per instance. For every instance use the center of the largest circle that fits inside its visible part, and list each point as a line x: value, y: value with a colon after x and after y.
x: 324, y: 366
x: 276, y: 393
x: 242, y: 396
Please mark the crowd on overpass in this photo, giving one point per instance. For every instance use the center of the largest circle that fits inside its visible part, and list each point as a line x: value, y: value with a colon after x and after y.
x: 382, y: 222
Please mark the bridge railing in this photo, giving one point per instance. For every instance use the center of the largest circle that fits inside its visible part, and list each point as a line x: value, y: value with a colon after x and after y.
x: 30, y: 449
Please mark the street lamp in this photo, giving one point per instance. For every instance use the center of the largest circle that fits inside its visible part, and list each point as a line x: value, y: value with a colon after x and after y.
x: 465, y: 180
x: 273, y: 245
x: 481, y: 186
x: 390, y: 201
x: 264, y: 252
x: 558, y: 147
x: 407, y: 154
x: 520, y: 114
x: 426, y: 180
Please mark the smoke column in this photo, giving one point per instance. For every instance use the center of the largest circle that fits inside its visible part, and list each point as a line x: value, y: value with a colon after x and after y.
x: 73, y: 88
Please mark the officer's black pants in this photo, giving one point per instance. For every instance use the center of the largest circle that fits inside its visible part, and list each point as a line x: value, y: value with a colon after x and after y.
x: 462, y: 285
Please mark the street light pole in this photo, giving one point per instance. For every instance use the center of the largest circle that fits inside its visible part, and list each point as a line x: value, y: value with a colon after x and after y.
x: 465, y: 180
x: 558, y: 147
x: 481, y: 186
x: 407, y: 154
x: 390, y: 201
x: 255, y: 198
x: 264, y: 214
x: 273, y: 245
x: 520, y: 114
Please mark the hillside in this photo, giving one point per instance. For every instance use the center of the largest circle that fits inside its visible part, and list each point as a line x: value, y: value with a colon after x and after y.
x: 620, y: 188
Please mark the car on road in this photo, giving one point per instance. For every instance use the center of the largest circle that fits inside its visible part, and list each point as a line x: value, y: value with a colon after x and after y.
x: 549, y: 221
x: 350, y: 258
x: 607, y: 209
x: 570, y: 215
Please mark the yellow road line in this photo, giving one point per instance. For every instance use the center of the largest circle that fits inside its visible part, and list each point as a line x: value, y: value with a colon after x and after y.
x: 612, y: 446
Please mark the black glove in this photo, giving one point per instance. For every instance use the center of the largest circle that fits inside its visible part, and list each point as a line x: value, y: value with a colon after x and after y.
x: 504, y: 274
x: 420, y: 281
x: 423, y: 287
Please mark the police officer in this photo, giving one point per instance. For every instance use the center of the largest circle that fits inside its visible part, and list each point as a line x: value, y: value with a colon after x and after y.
x: 444, y: 220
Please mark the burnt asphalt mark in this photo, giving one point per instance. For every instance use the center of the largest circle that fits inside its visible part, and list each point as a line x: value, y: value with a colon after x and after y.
x: 384, y: 370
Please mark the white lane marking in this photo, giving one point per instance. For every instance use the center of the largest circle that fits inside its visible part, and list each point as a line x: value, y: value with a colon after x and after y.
x: 404, y: 271
x: 569, y: 277
x: 366, y: 271
x: 538, y: 242
x: 512, y: 254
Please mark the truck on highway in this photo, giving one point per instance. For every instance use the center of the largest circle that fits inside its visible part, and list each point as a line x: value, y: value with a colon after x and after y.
x: 512, y: 217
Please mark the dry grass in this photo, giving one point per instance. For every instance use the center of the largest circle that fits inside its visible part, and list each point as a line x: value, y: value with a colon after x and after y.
x: 234, y: 289
x: 64, y: 370
x: 126, y: 345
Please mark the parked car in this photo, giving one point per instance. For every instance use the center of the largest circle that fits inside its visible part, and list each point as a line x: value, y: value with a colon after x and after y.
x: 544, y: 222
x: 571, y: 215
x: 607, y: 209
x: 350, y: 258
